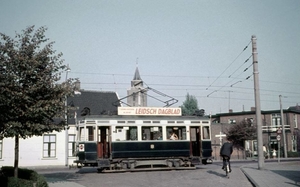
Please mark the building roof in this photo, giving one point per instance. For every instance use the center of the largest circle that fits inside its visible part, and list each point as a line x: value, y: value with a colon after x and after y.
x: 254, y: 112
x: 294, y: 108
x: 91, y: 103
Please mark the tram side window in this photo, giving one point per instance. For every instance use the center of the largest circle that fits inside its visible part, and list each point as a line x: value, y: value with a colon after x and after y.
x: 152, y: 133
x: 179, y: 131
x: 206, y: 133
x: 86, y: 134
x: 126, y: 133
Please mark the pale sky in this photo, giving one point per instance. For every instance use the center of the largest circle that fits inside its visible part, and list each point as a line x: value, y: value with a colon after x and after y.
x: 179, y: 46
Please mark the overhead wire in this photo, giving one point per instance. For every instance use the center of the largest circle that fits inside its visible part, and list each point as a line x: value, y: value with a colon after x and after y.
x: 197, y: 85
x: 229, y: 65
x: 273, y: 93
x: 230, y: 76
x: 240, y: 66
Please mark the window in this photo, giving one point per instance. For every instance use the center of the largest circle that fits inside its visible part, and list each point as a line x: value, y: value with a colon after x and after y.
x: 295, y: 121
x: 87, y: 134
x: 205, y: 132
x: 49, y: 148
x: 179, y: 131
x: 126, y: 133
x: 255, y: 148
x: 82, y: 134
x: 1, y: 149
x: 72, y: 145
x: 90, y: 133
x: 231, y: 121
x: 294, y: 143
x: 276, y: 119
x: 152, y: 133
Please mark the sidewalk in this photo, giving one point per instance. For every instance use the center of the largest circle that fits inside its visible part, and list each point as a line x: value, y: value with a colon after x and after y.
x: 274, y: 174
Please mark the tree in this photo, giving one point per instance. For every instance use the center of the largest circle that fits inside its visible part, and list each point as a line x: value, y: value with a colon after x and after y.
x: 31, y: 100
x: 240, y: 132
x: 190, y: 106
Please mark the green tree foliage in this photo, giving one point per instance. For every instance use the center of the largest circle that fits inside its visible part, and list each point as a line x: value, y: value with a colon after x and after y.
x: 31, y: 100
x: 240, y: 132
x: 189, y: 106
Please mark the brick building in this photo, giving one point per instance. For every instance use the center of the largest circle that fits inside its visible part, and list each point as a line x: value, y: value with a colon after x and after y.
x: 271, y: 122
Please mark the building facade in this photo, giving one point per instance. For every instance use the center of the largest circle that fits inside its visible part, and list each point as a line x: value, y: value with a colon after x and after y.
x: 58, y: 148
x: 271, y: 122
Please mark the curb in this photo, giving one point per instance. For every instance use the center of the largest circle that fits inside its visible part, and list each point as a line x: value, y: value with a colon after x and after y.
x: 252, y: 181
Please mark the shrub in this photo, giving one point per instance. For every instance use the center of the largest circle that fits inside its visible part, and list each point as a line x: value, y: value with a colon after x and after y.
x: 26, y: 178
x: 292, y: 154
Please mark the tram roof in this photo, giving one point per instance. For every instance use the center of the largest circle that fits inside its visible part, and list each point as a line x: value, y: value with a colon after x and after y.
x: 137, y: 117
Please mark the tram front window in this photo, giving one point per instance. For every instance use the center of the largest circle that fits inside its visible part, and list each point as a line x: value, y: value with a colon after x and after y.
x: 206, y: 133
x: 86, y: 134
x: 90, y: 133
x: 152, y: 133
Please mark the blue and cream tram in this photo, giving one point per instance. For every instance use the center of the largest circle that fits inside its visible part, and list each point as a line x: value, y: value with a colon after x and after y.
x: 132, y: 142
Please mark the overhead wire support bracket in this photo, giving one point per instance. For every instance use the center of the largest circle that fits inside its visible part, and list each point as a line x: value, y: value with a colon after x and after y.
x: 168, y: 103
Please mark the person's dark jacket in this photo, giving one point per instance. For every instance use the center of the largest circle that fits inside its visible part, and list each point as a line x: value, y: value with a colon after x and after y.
x: 226, y: 149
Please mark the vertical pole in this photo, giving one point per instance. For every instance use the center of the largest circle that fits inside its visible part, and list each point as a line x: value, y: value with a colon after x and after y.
x: 66, y: 133
x: 257, y: 105
x: 66, y: 124
x: 283, y: 129
x: 229, y: 101
x: 278, y: 153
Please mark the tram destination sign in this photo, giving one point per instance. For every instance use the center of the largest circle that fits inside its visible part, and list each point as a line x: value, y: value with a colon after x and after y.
x: 149, y: 111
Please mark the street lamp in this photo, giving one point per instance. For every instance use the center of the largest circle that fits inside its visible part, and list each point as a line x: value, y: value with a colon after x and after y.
x: 66, y: 123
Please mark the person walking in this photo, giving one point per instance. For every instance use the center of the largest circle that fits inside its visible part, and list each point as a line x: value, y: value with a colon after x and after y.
x: 226, y: 151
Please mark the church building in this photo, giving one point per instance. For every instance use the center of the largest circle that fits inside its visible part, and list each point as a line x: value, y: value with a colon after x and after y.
x: 137, y: 94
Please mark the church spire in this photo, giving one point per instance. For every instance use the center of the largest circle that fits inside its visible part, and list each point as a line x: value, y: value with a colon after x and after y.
x: 137, y: 73
x: 136, y: 97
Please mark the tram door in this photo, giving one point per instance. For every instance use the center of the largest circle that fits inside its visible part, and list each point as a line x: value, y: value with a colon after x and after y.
x: 103, y: 147
x: 195, y: 141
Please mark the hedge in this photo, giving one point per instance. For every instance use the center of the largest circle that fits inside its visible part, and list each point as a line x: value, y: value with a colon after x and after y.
x: 293, y: 154
x: 26, y: 178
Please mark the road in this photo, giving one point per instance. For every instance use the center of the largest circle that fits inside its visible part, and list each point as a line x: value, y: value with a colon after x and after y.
x: 205, y: 175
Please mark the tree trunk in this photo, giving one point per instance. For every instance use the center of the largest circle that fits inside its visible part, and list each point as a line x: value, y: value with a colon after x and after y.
x: 16, y: 164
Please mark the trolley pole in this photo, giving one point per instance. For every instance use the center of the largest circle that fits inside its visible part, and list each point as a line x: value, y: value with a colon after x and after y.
x: 261, y: 163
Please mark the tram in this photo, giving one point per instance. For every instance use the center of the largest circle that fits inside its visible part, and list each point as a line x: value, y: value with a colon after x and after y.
x: 139, y: 142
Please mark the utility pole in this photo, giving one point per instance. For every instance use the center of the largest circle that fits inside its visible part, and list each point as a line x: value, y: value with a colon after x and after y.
x: 66, y: 125
x: 229, y: 100
x: 261, y: 163
x: 283, y: 129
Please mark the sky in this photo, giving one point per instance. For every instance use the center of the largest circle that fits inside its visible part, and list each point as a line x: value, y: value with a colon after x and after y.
x: 195, y: 47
